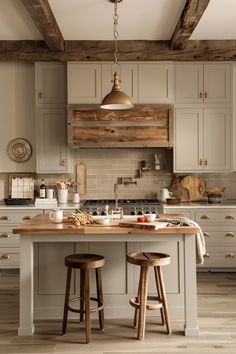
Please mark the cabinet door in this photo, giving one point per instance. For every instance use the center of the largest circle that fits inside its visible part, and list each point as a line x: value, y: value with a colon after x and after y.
x: 52, y: 152
x: 127, y: 75
x: 50, y: 83
x: 189, y: 83
x: 155, y: 83
x: 217, y: 139
x: 188, y: 140
x: 216, y: 83
x: 84, y: 83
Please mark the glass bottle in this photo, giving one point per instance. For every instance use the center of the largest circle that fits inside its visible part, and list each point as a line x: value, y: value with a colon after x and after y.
x: 42, y: 189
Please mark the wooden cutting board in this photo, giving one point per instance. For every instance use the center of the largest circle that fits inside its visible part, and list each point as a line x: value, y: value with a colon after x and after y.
x: 195, y: 187
x: 144, y: 225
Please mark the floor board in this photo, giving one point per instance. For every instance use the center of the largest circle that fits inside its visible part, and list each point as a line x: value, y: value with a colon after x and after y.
x: 217, y: 322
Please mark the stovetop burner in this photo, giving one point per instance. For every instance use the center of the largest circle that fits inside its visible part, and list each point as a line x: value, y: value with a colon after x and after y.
x: 121, y: 201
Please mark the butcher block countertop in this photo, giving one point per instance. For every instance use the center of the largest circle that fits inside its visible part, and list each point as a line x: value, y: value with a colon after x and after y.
x: 42, y: 225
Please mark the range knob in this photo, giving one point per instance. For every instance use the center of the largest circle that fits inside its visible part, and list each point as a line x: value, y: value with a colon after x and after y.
x: 140, y: 212
x: 95, y: 213
x: 103, y: 213
x: 133, y: 213
x: 148, y: 212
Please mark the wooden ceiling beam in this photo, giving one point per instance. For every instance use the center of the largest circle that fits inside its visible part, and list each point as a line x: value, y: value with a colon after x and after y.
x: 42, y: 15
x: 190, y: 16
x: 217, y: 50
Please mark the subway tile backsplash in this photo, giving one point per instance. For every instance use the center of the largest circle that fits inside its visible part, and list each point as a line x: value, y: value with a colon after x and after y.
x: 103, y: 166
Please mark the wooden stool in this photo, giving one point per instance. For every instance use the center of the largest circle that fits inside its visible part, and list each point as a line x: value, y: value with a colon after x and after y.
x: 84, y: 262
x: 146, y: 260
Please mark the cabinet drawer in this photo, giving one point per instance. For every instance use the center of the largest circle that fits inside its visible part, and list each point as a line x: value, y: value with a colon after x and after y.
x: 9, y: 257
x: 220, y: 216
x: 16, y: 217
x: 8, y: 238
x: 220, y: 257
x: 223, y: 234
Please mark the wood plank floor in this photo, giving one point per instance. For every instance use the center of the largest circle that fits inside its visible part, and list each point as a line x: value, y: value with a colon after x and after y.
x: 217, y: 322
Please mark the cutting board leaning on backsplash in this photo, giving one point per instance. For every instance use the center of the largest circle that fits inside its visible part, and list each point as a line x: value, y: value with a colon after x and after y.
x: 188, y: 188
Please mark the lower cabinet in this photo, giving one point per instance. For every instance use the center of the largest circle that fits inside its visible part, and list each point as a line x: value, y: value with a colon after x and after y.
x: 219, y: 229
x: 9, y: 242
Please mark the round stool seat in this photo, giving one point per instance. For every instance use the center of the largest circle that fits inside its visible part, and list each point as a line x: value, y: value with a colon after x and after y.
x: 84, y: 261
x: 149, y: 259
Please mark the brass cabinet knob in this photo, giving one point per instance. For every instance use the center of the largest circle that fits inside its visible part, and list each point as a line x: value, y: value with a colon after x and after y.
x: 205, y: 162
x: 205, y: 217
x: 206, y: 234
x: 62, y: 163
x: 4, y: 218
x: 229, y: 255
x: 27, y: 217
x: 5, y: 256
x: 229, y: 217
x: 201, y: 95
x: 40, y: 94
x: 200, y: 162
x: 229, y: 234
x: 5, y: 235
x: 205, y: 94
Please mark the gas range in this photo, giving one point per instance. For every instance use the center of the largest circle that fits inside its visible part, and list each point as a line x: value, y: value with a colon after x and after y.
x: 129, y: 206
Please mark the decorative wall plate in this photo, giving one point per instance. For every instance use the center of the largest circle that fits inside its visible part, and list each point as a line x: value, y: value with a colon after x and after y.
x: 19, y: 150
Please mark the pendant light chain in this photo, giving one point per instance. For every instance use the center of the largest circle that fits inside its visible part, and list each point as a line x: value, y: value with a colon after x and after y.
x: 115, y: 31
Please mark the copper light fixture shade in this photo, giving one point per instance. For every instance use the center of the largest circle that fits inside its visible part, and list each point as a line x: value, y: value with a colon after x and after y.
x: 116, y: 99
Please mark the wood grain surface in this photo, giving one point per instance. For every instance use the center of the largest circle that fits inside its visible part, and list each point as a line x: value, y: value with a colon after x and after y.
x: 42, y: 225
x: 195, y: 187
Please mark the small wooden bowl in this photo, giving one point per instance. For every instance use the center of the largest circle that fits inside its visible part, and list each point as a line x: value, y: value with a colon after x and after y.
x: 173, y: 201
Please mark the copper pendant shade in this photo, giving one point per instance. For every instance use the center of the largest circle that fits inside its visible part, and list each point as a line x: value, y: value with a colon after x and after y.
x: 116, y: 99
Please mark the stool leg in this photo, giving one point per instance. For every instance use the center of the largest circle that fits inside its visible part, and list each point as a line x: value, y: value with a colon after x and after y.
x: 100, y: 296
x: 163, y: 295
x: 159, y: 294
x: 87, y: 304
x: 136, y: 309
x: 66, y: 303
x: 81, y: 317
x: 142, y: 301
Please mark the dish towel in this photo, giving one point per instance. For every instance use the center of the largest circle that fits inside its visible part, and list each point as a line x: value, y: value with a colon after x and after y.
x: 200, y: 239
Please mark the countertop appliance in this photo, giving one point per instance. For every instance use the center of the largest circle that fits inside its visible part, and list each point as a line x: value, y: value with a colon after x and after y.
x: 130, y: 206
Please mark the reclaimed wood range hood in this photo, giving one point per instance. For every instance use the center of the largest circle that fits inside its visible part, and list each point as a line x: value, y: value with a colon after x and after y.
x: 142, y: 126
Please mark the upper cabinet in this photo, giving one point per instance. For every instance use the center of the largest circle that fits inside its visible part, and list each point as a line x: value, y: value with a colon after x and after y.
x: 202, y: 140
x: 52, y: 151
x: 202, y: 83
x: 53, y: 154
x: 155, y: 83
x: 50, y: 83
x: 84, y: 83
x: 144, y: 83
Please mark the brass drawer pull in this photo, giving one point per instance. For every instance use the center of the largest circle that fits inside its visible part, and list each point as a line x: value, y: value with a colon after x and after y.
x: 5, y: 256
x: 205, y: 94
x: 201, y: 95
x: 206, y: 234
x: 5, y: 235
x: 62, y: 163
x: 205, y: 162
x: 229, y: 234
x: 40, y: 94
x: 26, y: 217
x: 205, y: 217
x: 206, y: 255
x: 229, y: 217
x: 229, y: 255
x: 200, y: 162
x: 4, y: 217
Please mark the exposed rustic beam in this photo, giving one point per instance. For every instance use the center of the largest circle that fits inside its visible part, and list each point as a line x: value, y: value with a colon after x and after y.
x: 129, y: 51
x: 42, y: 15
x: 188, y: 21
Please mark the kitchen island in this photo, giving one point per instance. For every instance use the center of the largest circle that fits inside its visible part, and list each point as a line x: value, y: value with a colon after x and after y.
x: 39, y: 238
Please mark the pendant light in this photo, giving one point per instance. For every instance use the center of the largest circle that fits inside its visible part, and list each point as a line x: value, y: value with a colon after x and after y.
x: 116, y: 99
